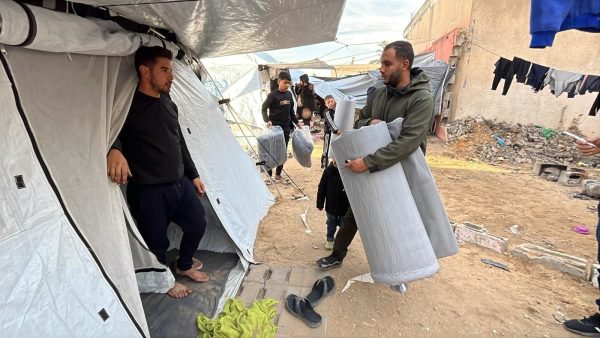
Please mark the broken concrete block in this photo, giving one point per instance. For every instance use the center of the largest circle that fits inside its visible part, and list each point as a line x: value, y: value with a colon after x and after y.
x: 569, y: 178
x: 591, y: 188
x: 481, y: 237
x: 476, y: 227
x: 546, y: 169
x: 594, y: 275
x: 571, y: 265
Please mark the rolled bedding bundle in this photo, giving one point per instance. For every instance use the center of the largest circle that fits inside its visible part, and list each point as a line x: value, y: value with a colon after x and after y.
x: 394, y: 237
x: 344, y: 118
x: 427, y: 198
x: 271, y: 148
x: 302, y: 146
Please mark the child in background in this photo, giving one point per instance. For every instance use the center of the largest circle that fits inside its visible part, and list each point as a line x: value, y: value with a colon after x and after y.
x: 307, y: 116
x: 332, y: 195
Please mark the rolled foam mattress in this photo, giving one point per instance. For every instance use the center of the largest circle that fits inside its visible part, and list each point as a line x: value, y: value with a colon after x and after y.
x: 272, y: 148
x: 393, y: 235
x: 427, y: 198
x: 302, y: 146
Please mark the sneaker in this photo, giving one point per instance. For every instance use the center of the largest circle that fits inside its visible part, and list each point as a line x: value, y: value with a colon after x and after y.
x: 329, y: 245
x: 329, y: 261
x: 588, y: 326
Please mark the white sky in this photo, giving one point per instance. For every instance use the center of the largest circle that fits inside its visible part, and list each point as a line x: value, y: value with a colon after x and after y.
x: 363, y: 21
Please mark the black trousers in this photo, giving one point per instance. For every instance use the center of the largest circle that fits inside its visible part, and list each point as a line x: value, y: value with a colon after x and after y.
x: 155, y: 206
x: 286, y: 136
x: 345, y: 235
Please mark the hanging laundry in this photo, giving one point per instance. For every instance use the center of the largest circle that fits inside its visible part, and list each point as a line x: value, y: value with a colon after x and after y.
x: 549, y: 17
x: 595, y: 106
x: 504, y: 70
x: 536, y: 77
x: 521, y: 68
x: 590, y: 83
x: 561, y: 81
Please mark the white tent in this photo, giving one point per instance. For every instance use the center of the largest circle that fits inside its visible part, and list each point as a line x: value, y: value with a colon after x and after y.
x: 72, y: 259
x: 245, y: 79
x: 356, y: 86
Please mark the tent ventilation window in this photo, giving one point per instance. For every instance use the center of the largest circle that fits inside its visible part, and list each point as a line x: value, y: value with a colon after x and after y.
x: 103, y: 314
x: 20, y: 182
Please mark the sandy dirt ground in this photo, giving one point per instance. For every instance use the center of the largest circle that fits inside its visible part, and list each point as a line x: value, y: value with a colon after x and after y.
x: 466, y: 298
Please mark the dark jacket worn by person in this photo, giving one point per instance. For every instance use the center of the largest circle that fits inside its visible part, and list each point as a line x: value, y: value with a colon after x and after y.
x: 414, y: 103
x: 281, y: 109
x: 331, y: 193
x: 152, y: 142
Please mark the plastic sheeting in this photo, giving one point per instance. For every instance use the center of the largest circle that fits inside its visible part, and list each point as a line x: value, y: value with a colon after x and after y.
x: 427, y: 198
x: 234, y: 187
x: 74, y: 135
x: 394, y: 237
x: 61, y: 32
x: 356, y: 86
x: 51, y: 283
x: 302, y: 146
x: 272, y: 148
x: 216, y: 27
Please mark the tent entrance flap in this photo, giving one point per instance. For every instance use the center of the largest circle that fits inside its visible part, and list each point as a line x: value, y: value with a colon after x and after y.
x: 176, y: 317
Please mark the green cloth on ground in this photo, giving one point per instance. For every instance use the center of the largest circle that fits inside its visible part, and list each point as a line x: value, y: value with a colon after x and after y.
x: 237, y: 321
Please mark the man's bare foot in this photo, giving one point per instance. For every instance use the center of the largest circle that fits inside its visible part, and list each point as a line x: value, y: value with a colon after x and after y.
x: 197, y: 264
x: 195, y: 275
x: 179, y: 291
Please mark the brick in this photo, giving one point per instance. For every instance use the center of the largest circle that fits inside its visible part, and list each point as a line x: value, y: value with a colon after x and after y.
x: 250, y: 292
x: 481, y: 238
x: 571, y: 265
x: 257, y: 273
x: 296, y: 276
x: 279, y: 276
x: 286, y: 323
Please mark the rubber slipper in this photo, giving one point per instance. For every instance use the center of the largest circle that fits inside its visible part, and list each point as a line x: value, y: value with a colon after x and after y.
x: 581, y: 229
x: 301, y: 308
x: 320, y: 290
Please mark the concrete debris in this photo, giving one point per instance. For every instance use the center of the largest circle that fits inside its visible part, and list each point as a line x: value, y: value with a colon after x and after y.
x: 491, y: 142
x: 572, y: 265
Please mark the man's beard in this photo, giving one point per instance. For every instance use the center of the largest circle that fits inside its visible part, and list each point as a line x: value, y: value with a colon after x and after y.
x: 163, y: 90
x: 394, y: 79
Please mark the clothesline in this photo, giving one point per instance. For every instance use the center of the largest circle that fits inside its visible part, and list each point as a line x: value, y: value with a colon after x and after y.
x: 538, y: 76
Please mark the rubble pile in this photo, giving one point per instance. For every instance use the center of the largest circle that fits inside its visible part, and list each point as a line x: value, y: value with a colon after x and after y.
x: 491, y: 142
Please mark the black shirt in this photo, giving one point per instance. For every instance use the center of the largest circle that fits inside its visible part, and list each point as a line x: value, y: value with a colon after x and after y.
x: 152, y: 142
x: 280, y: 107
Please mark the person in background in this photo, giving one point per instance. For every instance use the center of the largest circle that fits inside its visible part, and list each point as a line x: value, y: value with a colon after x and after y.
x: 332, y: 195
x: 305, y: 93
x: 330, y: 128
x: 280, y: 105
x: 307, y: 116
x: 588, y: 326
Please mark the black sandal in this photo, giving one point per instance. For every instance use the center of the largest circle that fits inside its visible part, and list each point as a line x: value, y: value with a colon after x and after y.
x: 321, y: 289
x: 301, y: 308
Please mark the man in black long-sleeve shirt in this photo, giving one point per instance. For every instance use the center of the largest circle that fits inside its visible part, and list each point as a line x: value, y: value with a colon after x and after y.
x: 151, y: 154
x: 280, y: 104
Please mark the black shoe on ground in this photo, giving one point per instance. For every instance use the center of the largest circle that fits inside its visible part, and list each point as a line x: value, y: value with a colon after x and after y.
x: 588, y: 326
x: 329, y: 261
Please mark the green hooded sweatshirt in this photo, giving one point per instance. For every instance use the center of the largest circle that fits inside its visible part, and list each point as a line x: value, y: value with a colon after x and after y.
x: 414, y: 103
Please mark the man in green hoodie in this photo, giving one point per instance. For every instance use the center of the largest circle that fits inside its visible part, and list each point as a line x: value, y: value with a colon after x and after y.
x: 407, y: 94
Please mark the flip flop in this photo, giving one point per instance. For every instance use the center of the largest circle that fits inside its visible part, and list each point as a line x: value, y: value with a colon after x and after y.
x: 300, y: 308
x: 320, y: 290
